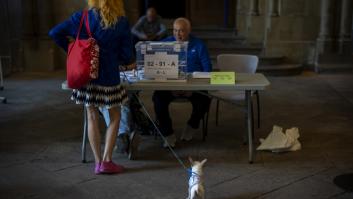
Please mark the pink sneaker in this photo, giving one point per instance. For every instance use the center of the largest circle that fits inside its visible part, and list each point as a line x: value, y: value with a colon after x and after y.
x: 97, y: 168
x: 110, y: 168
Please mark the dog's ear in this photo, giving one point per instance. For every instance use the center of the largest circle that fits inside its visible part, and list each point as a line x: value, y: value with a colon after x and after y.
x: 203, y: 162
x: 191, y: 161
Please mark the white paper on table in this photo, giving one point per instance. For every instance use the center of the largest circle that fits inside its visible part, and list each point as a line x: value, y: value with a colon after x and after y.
x: 201, y: 75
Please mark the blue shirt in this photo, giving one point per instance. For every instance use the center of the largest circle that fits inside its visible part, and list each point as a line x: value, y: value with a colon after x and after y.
x: 115, y: 43
x: 198, y: 58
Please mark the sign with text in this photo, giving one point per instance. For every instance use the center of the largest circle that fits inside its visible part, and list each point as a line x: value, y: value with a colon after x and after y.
x: 223, y: 78
x: 161, y: 66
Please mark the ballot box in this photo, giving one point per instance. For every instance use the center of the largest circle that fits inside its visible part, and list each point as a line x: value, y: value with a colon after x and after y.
x: 161, y: 60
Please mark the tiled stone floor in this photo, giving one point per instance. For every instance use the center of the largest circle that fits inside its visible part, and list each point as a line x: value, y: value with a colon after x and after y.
x: 40, y: 135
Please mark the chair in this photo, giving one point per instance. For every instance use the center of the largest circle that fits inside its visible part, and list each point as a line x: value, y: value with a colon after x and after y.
x: 204, y: 119
x: 239, y: 64
x: 3, y: 99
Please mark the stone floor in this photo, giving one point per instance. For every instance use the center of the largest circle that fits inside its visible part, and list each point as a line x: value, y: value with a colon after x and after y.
x: 40, y: 134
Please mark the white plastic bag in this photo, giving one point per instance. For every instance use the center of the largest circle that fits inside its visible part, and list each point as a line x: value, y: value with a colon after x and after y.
x: 277, y: 141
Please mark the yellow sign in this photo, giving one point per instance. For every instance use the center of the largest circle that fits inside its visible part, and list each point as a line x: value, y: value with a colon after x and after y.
x: 222, y: 77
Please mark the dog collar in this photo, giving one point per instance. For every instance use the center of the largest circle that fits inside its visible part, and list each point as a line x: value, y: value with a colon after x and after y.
x: 191, y: 173
x: 196, y: 178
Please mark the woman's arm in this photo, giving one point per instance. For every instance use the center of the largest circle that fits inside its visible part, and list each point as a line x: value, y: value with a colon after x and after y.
x: 63, y: 31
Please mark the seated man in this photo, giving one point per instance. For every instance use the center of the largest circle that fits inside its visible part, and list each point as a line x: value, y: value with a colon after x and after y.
x: 149, y: 27
x: 197, y: 60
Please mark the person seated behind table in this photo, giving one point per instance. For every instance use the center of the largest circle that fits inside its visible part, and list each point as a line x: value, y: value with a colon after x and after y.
x: 149, y: 27
x: 197, y: 60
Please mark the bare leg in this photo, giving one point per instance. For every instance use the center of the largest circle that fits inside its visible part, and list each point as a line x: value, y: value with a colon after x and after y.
x: 93, y: 132
x: 112, y: 130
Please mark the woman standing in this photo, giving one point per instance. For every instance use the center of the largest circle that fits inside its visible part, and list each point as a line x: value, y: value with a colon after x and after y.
x: 111, y: 30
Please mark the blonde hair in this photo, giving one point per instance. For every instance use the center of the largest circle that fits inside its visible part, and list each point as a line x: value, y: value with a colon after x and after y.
x: 110, y: 10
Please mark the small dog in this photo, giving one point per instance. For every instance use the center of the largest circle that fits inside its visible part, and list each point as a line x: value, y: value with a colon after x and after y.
x: 196, y: 188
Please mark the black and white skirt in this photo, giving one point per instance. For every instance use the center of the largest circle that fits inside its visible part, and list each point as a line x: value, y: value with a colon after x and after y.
x: 100, y: 96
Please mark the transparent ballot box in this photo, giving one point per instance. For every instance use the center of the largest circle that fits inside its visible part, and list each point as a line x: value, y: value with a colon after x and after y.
x: 161, y: 60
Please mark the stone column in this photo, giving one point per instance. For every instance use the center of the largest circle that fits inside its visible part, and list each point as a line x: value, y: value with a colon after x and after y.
x: 345, y: 24
x: 324, y: 19
x: 11, y: 34
x: 267, y: 24
x: 249, y: 17
x: 255, y: 7
x: 45, y: 13
x: 276, y: 8
x: 38, y: 50
x: 324, y: 34
x: 226, y: 13
x: 236, y: 9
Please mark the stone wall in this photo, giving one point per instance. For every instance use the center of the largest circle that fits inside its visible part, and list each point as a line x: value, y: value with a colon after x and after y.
x: 39, y: 16
x: 283, y: 28
x: 11, y: 34
x: 302, y: 30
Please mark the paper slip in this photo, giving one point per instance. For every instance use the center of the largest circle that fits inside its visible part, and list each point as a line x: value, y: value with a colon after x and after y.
x: 223, y: 78
x: 201, y: 75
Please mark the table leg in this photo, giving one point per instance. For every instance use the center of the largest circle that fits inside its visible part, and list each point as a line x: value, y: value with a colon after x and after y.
x: 250, y: 125
x: 3, y: 99
x: 85, y: 133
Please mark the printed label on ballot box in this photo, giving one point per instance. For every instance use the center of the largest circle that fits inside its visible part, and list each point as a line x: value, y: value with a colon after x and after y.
x: 161, y: 66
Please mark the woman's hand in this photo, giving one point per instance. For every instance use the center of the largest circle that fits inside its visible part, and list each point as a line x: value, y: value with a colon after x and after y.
x: 131, y: 66
x: 128, y: 67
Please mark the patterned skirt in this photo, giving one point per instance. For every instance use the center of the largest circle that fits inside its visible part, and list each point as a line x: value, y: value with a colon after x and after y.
x: 100, y: 96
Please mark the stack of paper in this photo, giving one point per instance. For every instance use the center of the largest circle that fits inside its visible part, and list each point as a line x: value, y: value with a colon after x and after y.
x: 201, y: 75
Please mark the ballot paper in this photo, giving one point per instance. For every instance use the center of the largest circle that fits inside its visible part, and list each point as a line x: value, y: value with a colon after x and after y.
x: 201, y: 75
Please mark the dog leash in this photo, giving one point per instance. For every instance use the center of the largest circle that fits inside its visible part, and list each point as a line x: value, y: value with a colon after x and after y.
x: 190, y: 172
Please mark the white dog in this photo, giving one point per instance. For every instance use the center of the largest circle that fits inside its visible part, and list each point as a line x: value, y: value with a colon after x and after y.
x: 196, y: 188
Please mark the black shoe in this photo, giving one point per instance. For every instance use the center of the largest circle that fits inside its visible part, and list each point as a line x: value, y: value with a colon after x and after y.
x: 122, y: 143
x: 135, y: 140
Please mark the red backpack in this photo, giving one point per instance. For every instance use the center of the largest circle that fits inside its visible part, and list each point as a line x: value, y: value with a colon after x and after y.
x: 82, y: 58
